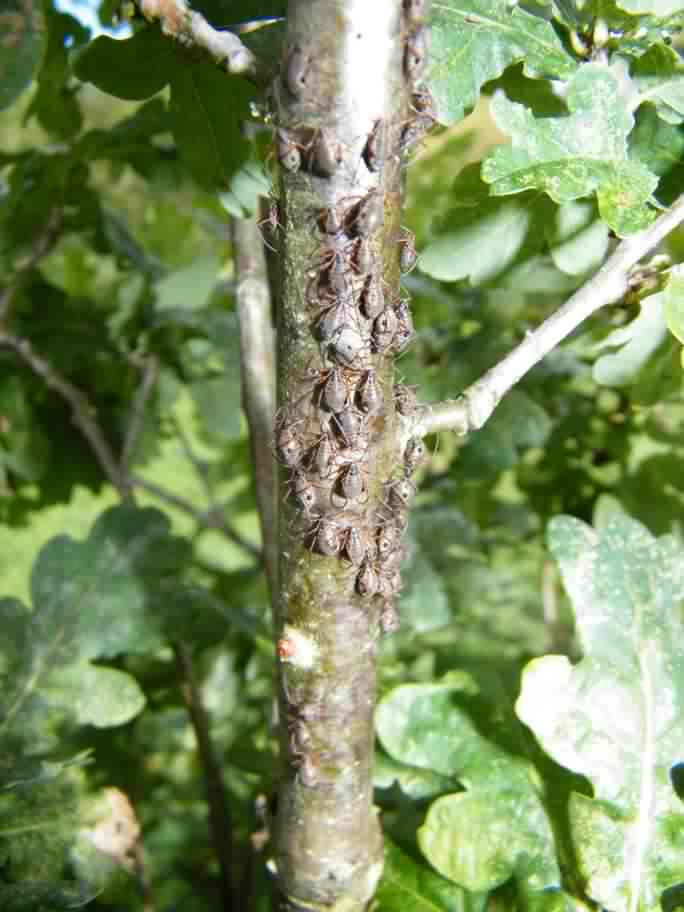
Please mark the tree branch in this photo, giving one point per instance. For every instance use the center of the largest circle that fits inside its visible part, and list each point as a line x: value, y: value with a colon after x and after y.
x: 610, y: 284
x: 41, y: 247
x: 188, y: 27
x: 83, y: 411
x: 135, y: 424
x: 219, y: 812
x: 257, y: 365
x: 210, y: 519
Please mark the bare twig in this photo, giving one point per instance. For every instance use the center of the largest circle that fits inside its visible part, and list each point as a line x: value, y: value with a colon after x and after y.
x: 188, y: 27
x: 220, y: 822
x: 83, y: 412
x: 210, y: 519
x: 473, y: 408
x: 135, y: 424
x: 257, y: 363
x: 43, y: 243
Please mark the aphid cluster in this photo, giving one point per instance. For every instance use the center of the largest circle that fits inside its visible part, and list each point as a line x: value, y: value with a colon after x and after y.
x: 326, y: 432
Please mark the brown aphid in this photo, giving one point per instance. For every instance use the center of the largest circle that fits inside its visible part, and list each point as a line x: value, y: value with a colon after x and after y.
x: 364, y: 257
x: 414, y: 9
x: 405, y: 331
x: 355, y: 546
x: 414, y: 454
x: 367, y: 215
x: 384, y: 328
x: 405, y: 399
x: 369, y: 396
x: 387, y: 541
x: 326, y: 155
x: 296, y: 70
x: 300, y: 736
x: 388, y: 619
x: 304, y: 491
x: 329, y: 221
x: 335, y: 394
x: 323, y: 456
x: 400, y: 493
x: 289, y: 446
x: 415, y: 52
x: 347, y: 346
x: 372, y: 298
x: 351, y: 426
x: 351, y: 483
x: 375, y: 149
x: 287, y: 151
x: 328, y: 540
x: 367, y: 580
x: 407, y: 250
x: 308, y: 770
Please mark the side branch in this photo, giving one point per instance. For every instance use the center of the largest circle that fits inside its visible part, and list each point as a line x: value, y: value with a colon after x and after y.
x: 188, y: 27
x: 610, y: 284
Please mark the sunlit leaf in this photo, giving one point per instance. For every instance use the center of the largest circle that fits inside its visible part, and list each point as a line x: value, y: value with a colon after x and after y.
x: 582, y: 153
x: 673, y: 297
x: 629, y: 347
x: 616, y: 716
x: 22, y: 44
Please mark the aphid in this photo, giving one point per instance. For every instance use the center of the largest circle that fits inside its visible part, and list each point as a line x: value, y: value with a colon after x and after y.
x: 384, y: 328
x: 303, y: 490
x: 367, y: 580
x: 364, y: 258
x: 334, y: 395
x: 407, y: 250
x: 372, y: 298
x: 400, y: 494
x: 323, y: 456
x: 388, y: 619
x: 328, y: 538
x: 346, y: 346
x: 326, y: 155
x: 404, y: 332
x: 414, y: 9
x: 351, y: 426
x: 337, y: 316
x: 375, y: 149
x: 351, y: 483
x: 415, y: 52
x: 329, y: 221
x: 367, y: 215
x: 405, y: 399
x: 387, y: 541
x: 296, y: 70
x: 287, y: 151
x: 414, y: 454
x: 355, y: 546
x: 300, y: 736
x: 369, y: 394
x: 289, y: 446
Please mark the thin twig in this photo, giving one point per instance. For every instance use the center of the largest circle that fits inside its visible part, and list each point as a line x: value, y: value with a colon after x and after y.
x: 83, y: 412
x: 137, y: 417
x: 610, y: 284
x: 210, y: 519
x: 43, y: 243
x: 257, y: 365
x: 188, y: 27
x: 220, y: 822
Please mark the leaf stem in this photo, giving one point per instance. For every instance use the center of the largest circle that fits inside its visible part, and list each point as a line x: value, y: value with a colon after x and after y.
x: 474, y: 407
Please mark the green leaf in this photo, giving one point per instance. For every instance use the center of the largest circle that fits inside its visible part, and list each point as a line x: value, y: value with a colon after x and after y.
x: 208, y: 108
x: 188, y: 288
x: 218, y: 404
x: 631, y: 346
x: 408, y: 884
x: 474, y: 42
x: 573, y: 156
x: 97, y: 696
x: 24, y: 448
x: 494, y: 829
x: 617, y: 715
x: 659, y: 76
x: 673, y: 297
x: 135, y: 68
x: 578, y: 241
x: 654, y: 7
x: 247, y: 186
x: 22, y: 44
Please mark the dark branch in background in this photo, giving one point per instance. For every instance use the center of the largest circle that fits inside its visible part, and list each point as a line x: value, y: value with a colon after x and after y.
x: 610, y: 284
x: 137, y: 418
x: 220, y: 821
x: 83, y: 412
x: 190, y: 28
x: 44, y: 242
x: 257, y: 364
x: 209, y: 519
